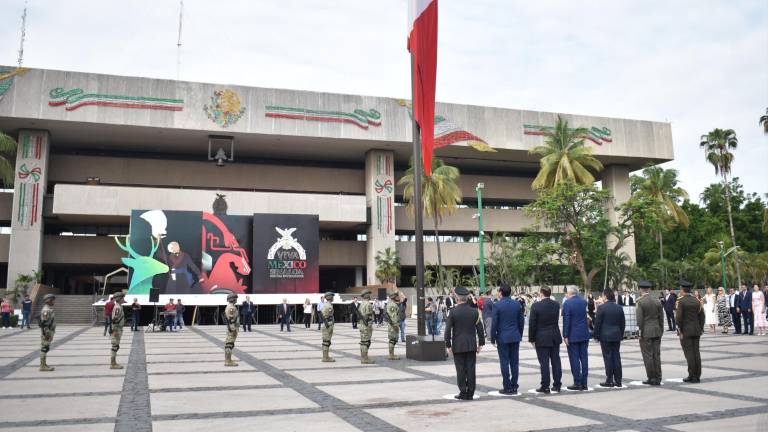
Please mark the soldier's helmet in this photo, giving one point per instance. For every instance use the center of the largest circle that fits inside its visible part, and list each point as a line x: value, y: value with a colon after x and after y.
x: 329, y: 295
x: 118, y: 296
x: 232, y: 298
x: 366, y: 294
x: 48, y: 297
x: 394, y: 295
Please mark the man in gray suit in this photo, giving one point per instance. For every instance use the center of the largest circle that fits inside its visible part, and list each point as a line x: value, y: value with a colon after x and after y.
x: 650, y: 323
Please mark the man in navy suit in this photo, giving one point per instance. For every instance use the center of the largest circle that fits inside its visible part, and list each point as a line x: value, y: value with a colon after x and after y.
x: 506, y: 333
x: 544, y: 334
x: 745, y: 309
x: 670, y: 303
x: 576, y: 336
x: 609, y: 330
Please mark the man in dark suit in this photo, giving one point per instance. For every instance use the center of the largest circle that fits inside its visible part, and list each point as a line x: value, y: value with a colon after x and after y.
x: 650, y: 326
x: 733, y: 307
x: 690, y: 326
x: 354, y: 312
x: 284, y: 315
x: 745, y: 310
x: 576, y: 337
x: 609, y: 330
x: 670, y: 301
x: 506, y: 332
x: 544, y: 335
x: 626, y: 299
x: 247, y: 309
x: 464, y: 338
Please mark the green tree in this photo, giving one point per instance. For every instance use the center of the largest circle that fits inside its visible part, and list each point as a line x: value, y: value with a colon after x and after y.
x: 7, y: 151
x: 388, y: 266
x: 440, y: 194
x: 717, y: 146
x: 661, y: 186
x: 564, y: 157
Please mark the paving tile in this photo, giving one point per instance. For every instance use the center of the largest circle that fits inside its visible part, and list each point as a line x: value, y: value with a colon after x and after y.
x: 375, y: 393
x: 204, y: 367
x: 194, y: 380
x: 755, y: 387
x: 227, y: 401
x: 97, y: 427
x: 287, y: 364
x: 625, y: 403
x: 350, y: 374
x: 60, y: 408
x: 750, y: 423
x: 44, y: 386
x: 749, y: 363
x: 63, y: 371
x: 462, y: 416
x: 293, y: 422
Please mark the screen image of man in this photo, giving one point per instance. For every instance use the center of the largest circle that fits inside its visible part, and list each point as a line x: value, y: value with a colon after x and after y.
x: 464, y: 338
x: 183, y: 273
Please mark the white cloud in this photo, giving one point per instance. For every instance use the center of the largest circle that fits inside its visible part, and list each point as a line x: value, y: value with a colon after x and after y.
x: 699, y: 64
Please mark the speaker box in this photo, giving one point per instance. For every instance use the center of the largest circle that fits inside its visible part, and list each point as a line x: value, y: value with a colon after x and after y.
x: 154, y: 295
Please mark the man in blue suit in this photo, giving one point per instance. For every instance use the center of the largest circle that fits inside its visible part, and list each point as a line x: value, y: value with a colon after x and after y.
x: 576, y: 337
x: 745, y: 309
x: 507, y: 324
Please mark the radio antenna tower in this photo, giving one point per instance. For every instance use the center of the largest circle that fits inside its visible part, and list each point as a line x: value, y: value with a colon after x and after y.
x: 178, y: 42
x: 23, y: 33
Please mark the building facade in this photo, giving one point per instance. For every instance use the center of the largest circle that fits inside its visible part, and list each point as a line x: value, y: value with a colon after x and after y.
x: 93, y: 147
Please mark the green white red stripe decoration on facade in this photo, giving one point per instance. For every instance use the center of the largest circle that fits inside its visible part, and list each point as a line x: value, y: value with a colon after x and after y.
x: 448, y: 132
x: 359, y: 117
x: 384, y: 186
x: 28, y: 176
x: 77, y: 98
x: 596, y: 135
x: 7, y: 76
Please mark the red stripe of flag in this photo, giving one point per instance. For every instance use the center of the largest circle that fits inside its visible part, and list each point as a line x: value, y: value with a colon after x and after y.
x: 422, y: 43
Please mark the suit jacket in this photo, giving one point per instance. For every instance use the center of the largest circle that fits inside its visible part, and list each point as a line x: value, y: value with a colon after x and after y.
x: 626, y: 301
x: 575, y: 327
x: 507, y: 321
x: 669, y: 303
x: 543, y: 328
x: 650, y: 317
x: 247, y: 308
x: 284, y: 309
x: 464, y: 329
x: 690, y: 316
x: 745, y: 301
x: 354, y: 310
x: 609, y: 322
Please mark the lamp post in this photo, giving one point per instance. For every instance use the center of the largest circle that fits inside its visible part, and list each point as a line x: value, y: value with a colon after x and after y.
x: 722, y: 265
x: 481, y: 232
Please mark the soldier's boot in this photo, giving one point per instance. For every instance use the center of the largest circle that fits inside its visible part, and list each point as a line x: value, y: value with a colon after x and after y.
x: 113, y: 362
x: 44, y: 365
x: 392, y: 355
x: 364, y: 357
x: 326, y: 356
x: 228, y: 360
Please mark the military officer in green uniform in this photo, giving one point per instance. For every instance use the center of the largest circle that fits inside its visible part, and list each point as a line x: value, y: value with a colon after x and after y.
x: 365, y: 314
x: 689, y: 315
x: 232, y: 316
x: 393, y: 317
x: 327, y: 313
x: 650, y: 324
x: 118, y: 322
x: 47, y: 330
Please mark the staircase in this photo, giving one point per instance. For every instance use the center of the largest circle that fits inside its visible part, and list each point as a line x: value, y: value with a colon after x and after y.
x: 70, y: 309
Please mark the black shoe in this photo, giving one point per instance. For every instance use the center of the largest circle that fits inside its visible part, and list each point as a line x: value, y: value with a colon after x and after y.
x: 584, y: 387
x: 556, y: 389
x: 618, y: 384
x: 606, y: 384
x: 687, y: 379
x: 655, y: 383
x: 575, y: 387
x: 694, y: 380
x: 508, y: 392
x: 648, y: 382
x: 542, y: 389
x: 458, y: 397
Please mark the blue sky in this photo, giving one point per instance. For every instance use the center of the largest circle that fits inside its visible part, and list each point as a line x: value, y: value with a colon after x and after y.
x: 697, y: 64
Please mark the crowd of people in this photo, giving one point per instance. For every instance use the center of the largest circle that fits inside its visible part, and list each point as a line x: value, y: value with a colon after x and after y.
x: 502, y: 321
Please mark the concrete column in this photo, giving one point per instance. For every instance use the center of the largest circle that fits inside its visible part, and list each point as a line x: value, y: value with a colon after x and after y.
x: 26, y: 248
x: 380, y: 199
x: 358, y: 276
x: 616, y: 181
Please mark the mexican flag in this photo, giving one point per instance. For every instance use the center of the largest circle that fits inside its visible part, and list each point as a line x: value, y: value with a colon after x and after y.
x: 422, y: 44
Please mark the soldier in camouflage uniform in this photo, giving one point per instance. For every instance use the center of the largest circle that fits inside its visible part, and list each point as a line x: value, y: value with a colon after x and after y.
x: 327, y: 313
x: 233, y: 325
x: 47, y: 330
x: 118, y: 322
x: 393, y: 317
x: 365, y: 313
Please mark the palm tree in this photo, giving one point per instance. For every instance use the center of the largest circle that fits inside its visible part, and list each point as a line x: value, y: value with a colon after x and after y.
x: 439, y: 195
x: 564, y: 156
x: 764, y: 121
x: 388, y: 266
x: 7, y: 150
x: 662, y: 186
x: 717, y: 146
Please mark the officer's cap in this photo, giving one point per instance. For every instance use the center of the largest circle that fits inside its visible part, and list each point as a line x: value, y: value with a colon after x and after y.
x: 329, y: 295
x: 49, y: 297
x: 644, y: 284
x: 461, y: 291
x: 118, y: 296
x: 366, y: 293
x: 684, y: 283
x: 394, y: 295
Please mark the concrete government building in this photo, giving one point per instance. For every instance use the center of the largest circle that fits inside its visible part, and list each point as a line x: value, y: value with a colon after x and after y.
x: 94, y: 147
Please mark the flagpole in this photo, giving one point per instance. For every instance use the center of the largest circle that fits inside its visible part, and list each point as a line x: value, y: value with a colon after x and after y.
x: 418, y: 210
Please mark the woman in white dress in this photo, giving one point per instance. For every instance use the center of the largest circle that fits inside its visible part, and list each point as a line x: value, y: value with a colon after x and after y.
x: 710, y: 310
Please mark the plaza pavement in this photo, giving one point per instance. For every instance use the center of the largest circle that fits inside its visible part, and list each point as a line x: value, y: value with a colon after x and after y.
x: 177, y: 382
